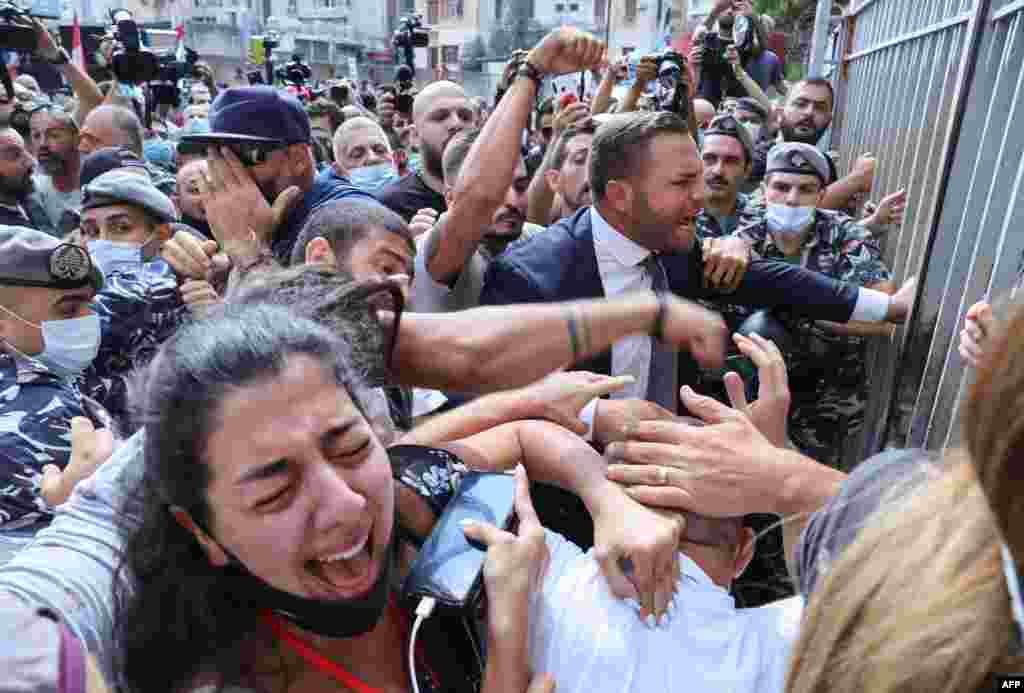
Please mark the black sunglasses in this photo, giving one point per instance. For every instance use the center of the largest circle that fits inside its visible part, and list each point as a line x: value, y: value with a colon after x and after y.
x: 254, y: 154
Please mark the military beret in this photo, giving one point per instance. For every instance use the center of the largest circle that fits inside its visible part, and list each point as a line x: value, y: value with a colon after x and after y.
x: 126, y: 187
x: 33, y: 258
x: 797, y: 157
x: 728, y: 126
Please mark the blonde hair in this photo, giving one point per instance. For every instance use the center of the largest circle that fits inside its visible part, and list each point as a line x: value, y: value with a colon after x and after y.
x: 918, y: 602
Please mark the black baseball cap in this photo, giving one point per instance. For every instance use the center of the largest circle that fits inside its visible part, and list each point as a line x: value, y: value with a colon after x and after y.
x: 257, y: 115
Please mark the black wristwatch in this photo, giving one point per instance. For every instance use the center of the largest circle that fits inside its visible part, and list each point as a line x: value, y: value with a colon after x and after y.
x: 532, y: 72
x: 62, y: 58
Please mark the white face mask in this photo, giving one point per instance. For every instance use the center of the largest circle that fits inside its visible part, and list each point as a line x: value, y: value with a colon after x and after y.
x: 69, y: 346
x: 788, y: 222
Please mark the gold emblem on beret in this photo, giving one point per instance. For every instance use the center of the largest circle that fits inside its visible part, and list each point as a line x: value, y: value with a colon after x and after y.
x: 70, y: 263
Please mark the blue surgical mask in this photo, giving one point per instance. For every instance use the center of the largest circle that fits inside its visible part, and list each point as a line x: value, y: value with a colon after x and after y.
x: 372, y: 177
x: 69, y: 346
x: 788, y: 222
x: 112, y: 257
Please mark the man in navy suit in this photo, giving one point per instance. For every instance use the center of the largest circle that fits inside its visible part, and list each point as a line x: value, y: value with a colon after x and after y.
x: 647, y: 185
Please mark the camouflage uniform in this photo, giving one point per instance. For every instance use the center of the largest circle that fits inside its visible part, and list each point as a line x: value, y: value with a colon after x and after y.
x: 827, y: 377
x: 36, y: 408
x: 138, y: 309
x: 748, y: 211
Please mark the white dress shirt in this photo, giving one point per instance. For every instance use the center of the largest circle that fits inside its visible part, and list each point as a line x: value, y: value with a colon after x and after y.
x: 591, y: 642
x: 620, y: 264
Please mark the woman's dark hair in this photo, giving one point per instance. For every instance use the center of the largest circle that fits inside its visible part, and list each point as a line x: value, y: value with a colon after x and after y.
x: 332, y: 298
x: 177, y: 617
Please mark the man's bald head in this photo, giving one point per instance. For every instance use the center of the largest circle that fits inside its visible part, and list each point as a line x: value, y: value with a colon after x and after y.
x: 111, y: 126
x: 441, y: 111
x: 431, y: 93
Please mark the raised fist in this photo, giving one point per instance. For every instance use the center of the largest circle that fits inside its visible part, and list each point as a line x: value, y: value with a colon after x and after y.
x: 567, y: 50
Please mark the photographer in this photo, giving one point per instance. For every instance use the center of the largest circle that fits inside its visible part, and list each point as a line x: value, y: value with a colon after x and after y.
x: 740, y: 27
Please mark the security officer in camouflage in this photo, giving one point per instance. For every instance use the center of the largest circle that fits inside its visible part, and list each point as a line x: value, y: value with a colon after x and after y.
x: 727, y: 155
x: 127, y: 221
x: 49, y: 335
x: 827, y: 374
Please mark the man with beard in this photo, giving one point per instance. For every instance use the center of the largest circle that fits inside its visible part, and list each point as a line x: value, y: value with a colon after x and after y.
x: 269, y: 133
x: 486, y: 183
x: 805, y: 118
x: 57, y: 188
x: 440, y: 111
x: 647, y: 185
x: 16, y: 179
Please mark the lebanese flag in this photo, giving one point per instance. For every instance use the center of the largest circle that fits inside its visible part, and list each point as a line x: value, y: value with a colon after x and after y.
x: 179, y: 50
x: 77, y: 52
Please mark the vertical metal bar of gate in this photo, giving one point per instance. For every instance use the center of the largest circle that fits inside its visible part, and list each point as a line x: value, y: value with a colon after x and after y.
x: 965, y: 78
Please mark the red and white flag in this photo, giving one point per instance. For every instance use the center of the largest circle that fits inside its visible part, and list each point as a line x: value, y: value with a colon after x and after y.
x: 77, y: 52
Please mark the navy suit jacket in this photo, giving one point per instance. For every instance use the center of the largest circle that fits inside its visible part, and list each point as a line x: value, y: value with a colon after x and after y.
x: 560, y: 265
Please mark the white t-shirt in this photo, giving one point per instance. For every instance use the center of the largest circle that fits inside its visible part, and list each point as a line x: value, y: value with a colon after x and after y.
x: 591, y: 642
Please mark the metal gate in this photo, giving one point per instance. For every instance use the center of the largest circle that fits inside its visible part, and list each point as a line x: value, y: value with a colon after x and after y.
x: 933, y: 89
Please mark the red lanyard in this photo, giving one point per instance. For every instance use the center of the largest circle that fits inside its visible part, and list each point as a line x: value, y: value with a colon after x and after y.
x: 304, y: 649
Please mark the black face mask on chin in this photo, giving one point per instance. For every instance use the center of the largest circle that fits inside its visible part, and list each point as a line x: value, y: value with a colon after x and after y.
x: 334, y: 618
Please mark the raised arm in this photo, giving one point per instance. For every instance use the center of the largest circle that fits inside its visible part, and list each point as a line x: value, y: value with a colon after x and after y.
x: 89, y: 95
x: 602, y: 99
x: 646, y: 71
x: 622, y: 527
x: 490, y: 166
x: 500, y: 347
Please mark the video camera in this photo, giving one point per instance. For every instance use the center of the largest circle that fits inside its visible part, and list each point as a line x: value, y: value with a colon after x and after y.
x: 295, y: 72
x: 715, y: 45
x: 16, y: 36
x: 673, y: 80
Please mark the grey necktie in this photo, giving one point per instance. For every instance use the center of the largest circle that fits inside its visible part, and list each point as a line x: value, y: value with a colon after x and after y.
x: 662, y: 379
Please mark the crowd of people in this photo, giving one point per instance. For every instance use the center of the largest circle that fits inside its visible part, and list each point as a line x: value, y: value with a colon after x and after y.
x: 242, y: 377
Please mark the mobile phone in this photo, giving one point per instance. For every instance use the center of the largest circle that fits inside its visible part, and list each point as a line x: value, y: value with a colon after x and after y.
x: 449, y: 567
